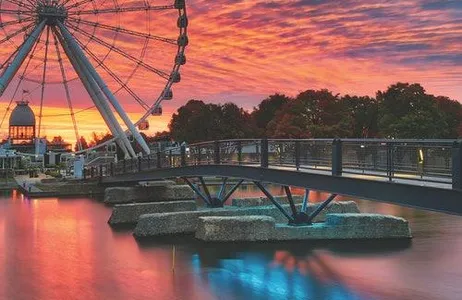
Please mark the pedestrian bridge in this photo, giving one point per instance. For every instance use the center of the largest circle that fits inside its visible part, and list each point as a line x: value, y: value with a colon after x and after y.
x: 425, y: 174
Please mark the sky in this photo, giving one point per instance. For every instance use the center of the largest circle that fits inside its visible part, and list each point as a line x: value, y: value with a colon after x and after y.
x: 243, y: 51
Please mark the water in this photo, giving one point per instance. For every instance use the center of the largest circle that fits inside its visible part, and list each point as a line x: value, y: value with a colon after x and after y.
x: 63, y: 249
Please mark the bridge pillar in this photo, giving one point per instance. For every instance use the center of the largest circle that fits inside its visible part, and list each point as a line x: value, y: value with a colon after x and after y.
x: 457, y: 166
x: 337, y: 157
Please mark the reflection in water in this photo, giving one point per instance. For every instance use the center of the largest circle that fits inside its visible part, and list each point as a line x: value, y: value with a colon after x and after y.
x: 63, y: 249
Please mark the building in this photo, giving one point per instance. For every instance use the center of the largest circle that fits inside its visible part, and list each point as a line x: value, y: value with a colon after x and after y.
x: 22, y: 128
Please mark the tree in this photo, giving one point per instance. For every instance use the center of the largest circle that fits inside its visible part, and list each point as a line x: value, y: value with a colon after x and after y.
x: 362, y: 113
x: 406, y: 111
x: 196, y: 121
x: 451, y: 111
x: 316, y: 114
x: 83, y: 143
x: 267, y: 110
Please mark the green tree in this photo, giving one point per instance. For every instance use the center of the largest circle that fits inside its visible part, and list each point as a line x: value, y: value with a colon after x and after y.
x: 406, y: 111
x: 316, y: 114
x: 267, y: 110
x: 196, y: 121
x: 362, y: 112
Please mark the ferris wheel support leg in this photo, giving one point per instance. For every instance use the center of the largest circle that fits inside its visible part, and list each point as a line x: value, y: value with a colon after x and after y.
x: 108, y: 117
x: 81, y: 56
x: 20, y: 57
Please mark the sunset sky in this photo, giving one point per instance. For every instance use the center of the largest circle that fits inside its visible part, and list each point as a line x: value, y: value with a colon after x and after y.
x: 242, y: 51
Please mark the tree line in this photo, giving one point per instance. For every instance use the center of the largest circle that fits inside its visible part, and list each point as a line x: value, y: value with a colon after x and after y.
x: 402, y: 111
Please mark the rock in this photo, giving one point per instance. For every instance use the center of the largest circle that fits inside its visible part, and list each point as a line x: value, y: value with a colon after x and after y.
x: 228, y: 229
x: 130, y: 213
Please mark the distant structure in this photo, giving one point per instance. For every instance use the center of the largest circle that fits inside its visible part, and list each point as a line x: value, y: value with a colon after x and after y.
x: 22, y: 128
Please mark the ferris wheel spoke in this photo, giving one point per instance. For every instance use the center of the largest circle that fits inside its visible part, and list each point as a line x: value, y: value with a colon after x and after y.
x: 16, y: 12
x: 122, y: 10
x: 12, y: 35
x: 123, y: 30
x: 20, y: 4
x: 121, y: 52
x: 68, y: 94
x: 19, y: 21
x: 21, y: 78
x: 80, y: 3
x: 113, y: 75
x: 43, y: 80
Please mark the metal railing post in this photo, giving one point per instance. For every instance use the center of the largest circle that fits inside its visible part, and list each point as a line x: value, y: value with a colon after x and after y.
x: 159, y: 161
x: 139, y: 163
x: 100, y: 170
x: 457, y: 166
x: 264, y: 153
x: 124, y: 166
x: 389, y: 161
x: 239, y: 152
x: 297, y: 155
x: 112, y: 168
x: 199, y: 155
x: 216, y: 152
x: 183, y: 156
x: 170, y: 159
x: 337, y: 157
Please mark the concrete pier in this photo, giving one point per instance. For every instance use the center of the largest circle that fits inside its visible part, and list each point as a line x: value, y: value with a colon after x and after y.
x: 262, y: 201
x: 186, y: 222
x: 336, y: 227
x: 130, y: 213
x: 153, y: 192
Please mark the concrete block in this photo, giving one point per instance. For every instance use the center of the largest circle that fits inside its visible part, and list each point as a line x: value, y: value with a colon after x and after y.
x: 229, y: 229
x: 348, y: 226
x: 337, y: 227
x: 262, y: 201
x: 130, y: 213
x: 186, y: 222
x: 158, y: 192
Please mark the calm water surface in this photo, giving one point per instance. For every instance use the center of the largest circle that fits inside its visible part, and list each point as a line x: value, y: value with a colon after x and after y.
x: 63, y: 249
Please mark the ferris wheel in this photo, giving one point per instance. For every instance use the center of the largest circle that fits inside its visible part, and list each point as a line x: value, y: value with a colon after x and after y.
x: 112, y: 55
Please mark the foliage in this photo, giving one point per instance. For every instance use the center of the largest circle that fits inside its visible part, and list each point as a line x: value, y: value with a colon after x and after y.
x: 402, y: 111
x: 265, y: 112
x: 197, y: 121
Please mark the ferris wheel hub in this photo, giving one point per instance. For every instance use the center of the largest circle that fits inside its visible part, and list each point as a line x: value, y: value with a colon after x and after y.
x: 51, y: 13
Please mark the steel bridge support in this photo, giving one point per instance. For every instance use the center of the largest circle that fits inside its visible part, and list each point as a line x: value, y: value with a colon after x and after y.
x: 296, y: 218
x: 220, y: 198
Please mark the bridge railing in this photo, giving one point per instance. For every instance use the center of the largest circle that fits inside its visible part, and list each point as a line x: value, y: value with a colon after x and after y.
x: 422, y: 160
